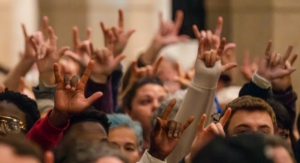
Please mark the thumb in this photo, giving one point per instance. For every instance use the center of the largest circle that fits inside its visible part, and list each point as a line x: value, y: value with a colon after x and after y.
x: 130, y: 32
x: 62, y: 51
x: 49, y: 157
x: 119, y: 58
x: 93, y: 98
x: 228, y: 66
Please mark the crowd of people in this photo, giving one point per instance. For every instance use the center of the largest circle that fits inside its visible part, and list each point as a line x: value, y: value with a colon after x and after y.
x: 85, y: 110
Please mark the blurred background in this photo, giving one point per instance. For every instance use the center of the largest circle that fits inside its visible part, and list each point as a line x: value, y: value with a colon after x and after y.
x: 248, y: 23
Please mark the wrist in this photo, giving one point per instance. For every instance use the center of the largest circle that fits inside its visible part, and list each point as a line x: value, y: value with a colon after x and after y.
x: 99, y: 78
x: 58, y: 119
x: 156, y: 154
x: 47, y: 77
x: 262, y: 74
x: 261, y: 81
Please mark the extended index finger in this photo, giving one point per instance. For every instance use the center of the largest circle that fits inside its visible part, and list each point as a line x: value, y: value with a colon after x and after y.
x: 165, y: 115
x: 287, y: 53
x: 87, y: 72
x: 121, y: 18
x: 219, y: 27
x: 178, y: 20
x: 76, y: 39
x: 246, y: 59
x: 156, y: 64
x: 200, y: 127
x: 44, y: 25
x: 268, y: 49
x: 24, y: 31
x: 196, y: 32
x: 226, y: 116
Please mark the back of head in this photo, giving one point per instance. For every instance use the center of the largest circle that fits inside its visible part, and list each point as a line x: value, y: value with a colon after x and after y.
x: 87, y: 151
x: 249, y: 103
x: 23, y: 148
x: 282, y: 116
x: 91, y: 114
x: 25, y: 104
x: 243, y: 148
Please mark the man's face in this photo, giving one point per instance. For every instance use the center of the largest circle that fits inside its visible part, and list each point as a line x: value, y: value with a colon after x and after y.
x: 8, y: 111
x: 7, y: 155
x: 243, y: 121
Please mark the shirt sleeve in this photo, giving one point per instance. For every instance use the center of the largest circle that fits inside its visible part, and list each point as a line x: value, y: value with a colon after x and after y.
x: 45, y: 134
x: 198, y: 100
x: 147, y: 158
x: 104, y: 103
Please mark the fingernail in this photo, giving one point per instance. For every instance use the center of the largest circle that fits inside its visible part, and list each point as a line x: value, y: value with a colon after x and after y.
x: 73, y: 88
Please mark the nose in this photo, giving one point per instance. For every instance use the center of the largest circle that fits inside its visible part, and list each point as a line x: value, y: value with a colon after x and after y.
x: 156, y: 105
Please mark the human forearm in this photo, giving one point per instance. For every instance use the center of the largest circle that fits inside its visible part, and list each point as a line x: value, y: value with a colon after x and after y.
x: 198, y: 100
x: 13, y: 79
x: 105, y: 103
x: 47, y: 78
x: 151, y: 53
x: 58, y: 119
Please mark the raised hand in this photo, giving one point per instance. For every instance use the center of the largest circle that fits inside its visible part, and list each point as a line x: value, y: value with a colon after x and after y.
x: 247, y: 69
x: 211, y: 40
x: 148, y: 71
x: 105, y: 63
x: 120, y: 36
x: 166, y: 134
x: 81, y: 52
x: 184, y: 78
x: 47, y: 55
x: 30, y: 53
x: 205, y: 135
x: 69, y: 96
x: 212, y: 56
x: 283, y: 83
x: 272, y: 66
x: 168, y: 31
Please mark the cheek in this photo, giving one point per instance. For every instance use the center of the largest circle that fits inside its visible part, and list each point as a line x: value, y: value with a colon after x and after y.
x: 140, y: 110
x: 133, y: 156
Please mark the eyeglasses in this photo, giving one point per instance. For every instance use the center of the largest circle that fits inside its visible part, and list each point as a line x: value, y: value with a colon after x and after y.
x: 11, y: 125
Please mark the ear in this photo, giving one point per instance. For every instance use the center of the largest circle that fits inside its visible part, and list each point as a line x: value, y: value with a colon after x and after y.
x: 127, y: 111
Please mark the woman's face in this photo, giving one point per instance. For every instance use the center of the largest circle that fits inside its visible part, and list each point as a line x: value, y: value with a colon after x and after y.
x: 146, y: 100
x: 127, y: 140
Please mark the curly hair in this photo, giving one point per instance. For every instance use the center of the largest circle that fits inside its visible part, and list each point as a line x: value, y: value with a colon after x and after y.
x: 25, y: 104
x: 91, y: 114
x: 249, y: 103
